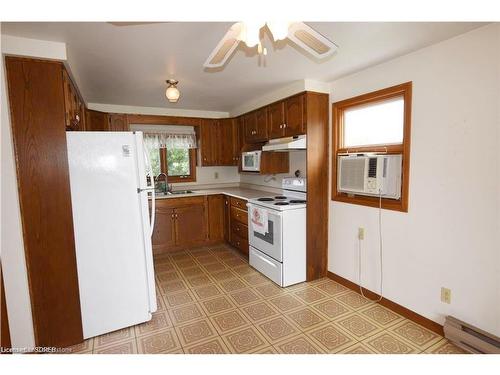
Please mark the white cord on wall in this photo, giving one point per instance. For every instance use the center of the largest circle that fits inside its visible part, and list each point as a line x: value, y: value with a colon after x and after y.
x: 380, y: 252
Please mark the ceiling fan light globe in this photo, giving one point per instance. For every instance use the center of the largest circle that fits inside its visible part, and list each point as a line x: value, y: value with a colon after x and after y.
x: 279, y: 29
x: 251, y: 33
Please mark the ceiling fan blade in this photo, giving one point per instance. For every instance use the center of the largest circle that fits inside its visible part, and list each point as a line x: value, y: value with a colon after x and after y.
x: 131, y: 23
x: 310, y: 40
x: 224, y: 48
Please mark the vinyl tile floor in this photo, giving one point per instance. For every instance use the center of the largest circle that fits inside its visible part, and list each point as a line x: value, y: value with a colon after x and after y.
x: 210, y: 301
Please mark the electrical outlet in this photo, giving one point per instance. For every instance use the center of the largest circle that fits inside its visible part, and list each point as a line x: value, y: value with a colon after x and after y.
x: 445, y: 295
x: 361, y: 233
x: 216, y: 175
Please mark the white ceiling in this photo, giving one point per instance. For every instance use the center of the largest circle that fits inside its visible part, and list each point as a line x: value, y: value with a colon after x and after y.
x: 129, y: 65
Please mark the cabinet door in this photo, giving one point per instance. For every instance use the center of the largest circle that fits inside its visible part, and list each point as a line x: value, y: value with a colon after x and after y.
x: 208, y: 143
x: 225, y: 142
x: 96, y: 121
x: 236, y: 142
x: 261, y: 134
x: 163, y: 233
x: 215, y: 217
x: 190, y: 225
x: 295, y: 116
x: 118, y: 123
x: 73, y: 105
x: 250, y: 121
x: 227, y: 219
x: 276, y: 119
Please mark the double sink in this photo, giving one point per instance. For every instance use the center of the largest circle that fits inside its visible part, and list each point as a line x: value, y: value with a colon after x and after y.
x: 175, y: 192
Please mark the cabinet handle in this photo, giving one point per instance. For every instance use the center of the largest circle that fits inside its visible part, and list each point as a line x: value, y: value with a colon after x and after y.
x: 284, y: 125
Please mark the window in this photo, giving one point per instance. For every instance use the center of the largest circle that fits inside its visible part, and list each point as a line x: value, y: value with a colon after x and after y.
x: 179, y: 164
x: 171, y: 149
x: 377, y: 122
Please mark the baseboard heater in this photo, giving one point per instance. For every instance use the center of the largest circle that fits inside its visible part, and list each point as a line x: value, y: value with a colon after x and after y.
x: 470, y: 338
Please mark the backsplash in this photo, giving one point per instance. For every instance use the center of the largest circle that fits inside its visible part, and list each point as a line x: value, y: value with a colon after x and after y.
x: 297, y: 161
x: 206, y: 176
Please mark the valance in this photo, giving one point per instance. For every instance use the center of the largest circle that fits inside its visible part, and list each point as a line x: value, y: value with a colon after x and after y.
x: 167, y: 136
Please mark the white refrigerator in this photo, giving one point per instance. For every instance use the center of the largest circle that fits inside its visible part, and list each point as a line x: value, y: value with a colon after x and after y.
x: 113, y: 227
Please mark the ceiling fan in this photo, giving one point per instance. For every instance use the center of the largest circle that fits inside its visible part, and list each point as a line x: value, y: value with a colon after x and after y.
x: 249, y: 32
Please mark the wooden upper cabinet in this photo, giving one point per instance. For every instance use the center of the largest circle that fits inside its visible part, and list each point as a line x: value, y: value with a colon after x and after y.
x: 118, y: 122
x: 256, y: 126
x: 236, y: 142
x: 209, y: 138
x: 276, y: 119
x: 190, y: 225
x: 96, y: 121
x: 295, y: 120
x: 73, y: 105
x: 250, y: 126
x: 261, y: 131
x: 225, y: 142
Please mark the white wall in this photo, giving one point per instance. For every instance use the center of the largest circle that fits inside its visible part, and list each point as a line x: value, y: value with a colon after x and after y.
x: 450, y: 236
x: 297, y: 161
x: 12, y: 247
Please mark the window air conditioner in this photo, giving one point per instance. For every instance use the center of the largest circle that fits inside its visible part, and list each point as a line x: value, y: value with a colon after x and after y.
x: 372, y: 175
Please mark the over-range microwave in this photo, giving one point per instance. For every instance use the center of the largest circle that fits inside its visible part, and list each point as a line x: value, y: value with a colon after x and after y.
x: 250, y: 161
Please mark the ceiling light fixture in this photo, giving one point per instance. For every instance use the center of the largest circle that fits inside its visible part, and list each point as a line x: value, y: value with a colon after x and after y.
x: 172, y: 93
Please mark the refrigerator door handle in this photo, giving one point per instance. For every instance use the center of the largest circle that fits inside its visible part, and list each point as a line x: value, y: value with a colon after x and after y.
x: 152, y: 189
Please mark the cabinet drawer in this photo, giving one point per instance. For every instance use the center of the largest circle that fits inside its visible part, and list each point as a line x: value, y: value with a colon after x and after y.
x: 239, y: 243
x: 180, y: 202
x: 240, y: 203
x: 266, y: 265
x: 239, y: 215
x: 239, y: 229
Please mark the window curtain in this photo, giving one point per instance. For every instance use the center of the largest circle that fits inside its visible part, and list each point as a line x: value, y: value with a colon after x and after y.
x: 170, y: 137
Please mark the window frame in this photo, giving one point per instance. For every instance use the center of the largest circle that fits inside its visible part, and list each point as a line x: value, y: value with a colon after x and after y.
x: 338, y: 109
x: 176, y: 179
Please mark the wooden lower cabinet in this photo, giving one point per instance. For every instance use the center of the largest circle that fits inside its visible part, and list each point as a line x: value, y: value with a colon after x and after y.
x: 190, y: 225
x: 180, y: 223
x: 197, y: 221
x: 216, y: 218
x: 238, y: 224
x: 164, y: 230
x: 227, y: 218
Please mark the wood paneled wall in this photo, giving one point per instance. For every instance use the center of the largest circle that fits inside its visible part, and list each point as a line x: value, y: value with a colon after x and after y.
x: 317, y: 184
x: 38, y: 126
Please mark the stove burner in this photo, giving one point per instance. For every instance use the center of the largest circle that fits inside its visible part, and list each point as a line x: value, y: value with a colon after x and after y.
x: 281, y: 204
x: 265, y: 199
x: 280, y: 197
x: 297, y: 201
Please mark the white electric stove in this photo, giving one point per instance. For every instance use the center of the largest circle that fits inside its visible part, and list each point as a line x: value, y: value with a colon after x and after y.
x: 280, y: 253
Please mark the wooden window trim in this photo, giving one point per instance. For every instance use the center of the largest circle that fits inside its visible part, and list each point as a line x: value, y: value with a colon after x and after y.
x: 338, y: 109
x: 176, y: 179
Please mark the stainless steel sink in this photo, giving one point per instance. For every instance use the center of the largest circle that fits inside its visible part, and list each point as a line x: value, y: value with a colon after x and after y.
x: 180, y: 192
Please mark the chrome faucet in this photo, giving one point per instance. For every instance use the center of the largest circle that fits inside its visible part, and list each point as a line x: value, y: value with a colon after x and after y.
x: 166, y: 184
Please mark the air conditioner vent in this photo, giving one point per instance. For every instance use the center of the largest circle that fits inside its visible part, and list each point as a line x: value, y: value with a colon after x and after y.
x: 372, y: 168
x: 354, y: 172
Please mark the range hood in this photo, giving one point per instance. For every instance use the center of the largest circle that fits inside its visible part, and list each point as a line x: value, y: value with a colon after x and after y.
x: 286, y: 144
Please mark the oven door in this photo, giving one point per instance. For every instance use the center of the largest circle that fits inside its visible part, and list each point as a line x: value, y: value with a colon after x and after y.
x: 270, y: 243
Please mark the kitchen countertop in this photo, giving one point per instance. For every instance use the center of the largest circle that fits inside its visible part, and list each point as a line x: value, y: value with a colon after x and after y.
x: 237, y: 192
